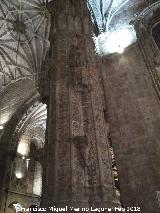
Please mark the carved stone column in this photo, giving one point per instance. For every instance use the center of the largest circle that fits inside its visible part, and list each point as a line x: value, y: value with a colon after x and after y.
x: 78, y: 167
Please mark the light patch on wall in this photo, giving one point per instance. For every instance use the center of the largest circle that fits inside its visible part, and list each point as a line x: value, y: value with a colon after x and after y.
x: 37, y: 187
x: 27, y: 162
x: 23, y: 148
x: 19, y: 174
x: 115, y: 41
x: 20, y: 168
x: 17, y: 207
x: 4, y: 117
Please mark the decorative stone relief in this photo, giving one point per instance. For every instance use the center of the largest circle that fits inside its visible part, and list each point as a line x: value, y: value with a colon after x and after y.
x: 24, y: 32
x: 78, y: 162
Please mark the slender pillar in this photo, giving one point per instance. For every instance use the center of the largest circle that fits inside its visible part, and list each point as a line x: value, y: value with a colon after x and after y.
x: 78, y: 167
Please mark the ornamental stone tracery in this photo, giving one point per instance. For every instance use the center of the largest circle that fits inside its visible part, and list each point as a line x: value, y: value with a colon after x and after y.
x: 24, y: 31
x: 32, y: 126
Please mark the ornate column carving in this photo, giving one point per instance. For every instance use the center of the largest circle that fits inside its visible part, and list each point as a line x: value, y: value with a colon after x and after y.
x: 78, y: 165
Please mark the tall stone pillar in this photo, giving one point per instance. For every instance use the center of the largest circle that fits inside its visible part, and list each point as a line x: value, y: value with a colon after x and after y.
x: 78, y: 167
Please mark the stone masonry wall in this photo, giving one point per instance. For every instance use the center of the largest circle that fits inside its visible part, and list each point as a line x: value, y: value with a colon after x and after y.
x: 134, y: 117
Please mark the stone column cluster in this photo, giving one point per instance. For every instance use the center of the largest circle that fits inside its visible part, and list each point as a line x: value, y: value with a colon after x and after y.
x: 78, y: 168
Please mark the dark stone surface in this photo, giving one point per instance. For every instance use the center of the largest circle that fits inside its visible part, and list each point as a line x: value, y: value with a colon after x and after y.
x: 75, y: 114
x: 134, y: 118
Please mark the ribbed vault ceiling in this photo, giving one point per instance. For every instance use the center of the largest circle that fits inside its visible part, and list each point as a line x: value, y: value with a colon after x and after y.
x: 113, y: 20
x: 104, y: 11
x: 24, y: 32
x: 25, y: 26
x: 14, y: 96
x: 32, y: 128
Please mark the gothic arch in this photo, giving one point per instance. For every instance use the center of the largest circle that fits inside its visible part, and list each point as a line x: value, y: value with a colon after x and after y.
x: 8, y: 146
